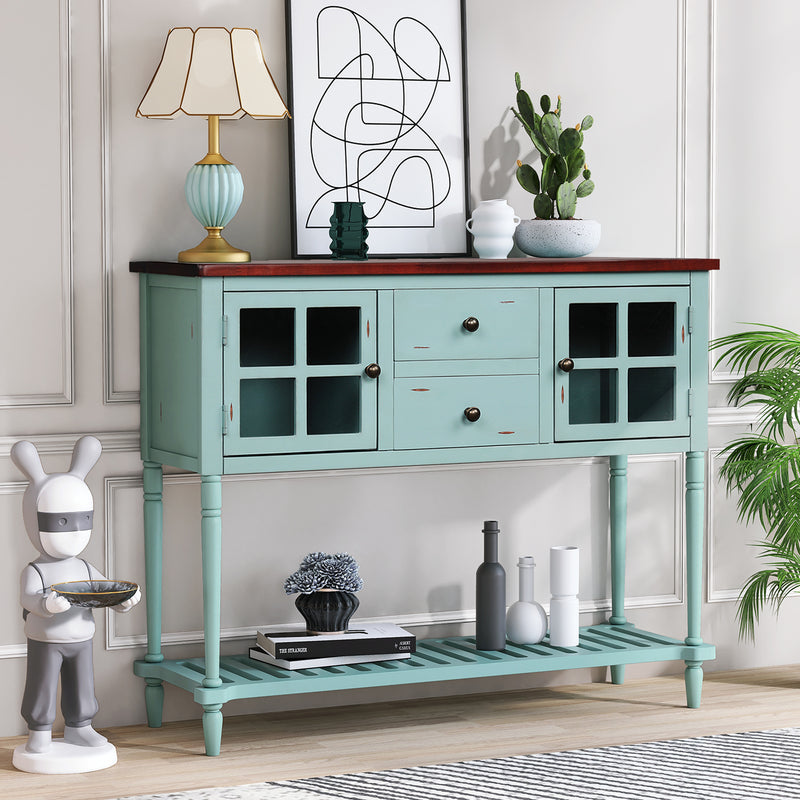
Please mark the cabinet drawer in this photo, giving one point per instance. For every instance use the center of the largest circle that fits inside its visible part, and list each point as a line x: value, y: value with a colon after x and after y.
x: 431, y: 325
x: 430, y: 412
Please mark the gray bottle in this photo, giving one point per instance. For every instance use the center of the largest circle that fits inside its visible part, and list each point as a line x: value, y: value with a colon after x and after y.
x: 490, y: 594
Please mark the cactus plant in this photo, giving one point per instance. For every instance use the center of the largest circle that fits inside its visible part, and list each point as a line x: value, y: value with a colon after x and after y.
x: 563, y: 158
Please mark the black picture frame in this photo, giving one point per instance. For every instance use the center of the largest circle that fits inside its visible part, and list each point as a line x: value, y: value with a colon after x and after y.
x: 372, y: 89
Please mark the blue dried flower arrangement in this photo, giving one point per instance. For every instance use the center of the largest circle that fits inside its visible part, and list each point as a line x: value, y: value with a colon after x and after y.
x: 319, y: 571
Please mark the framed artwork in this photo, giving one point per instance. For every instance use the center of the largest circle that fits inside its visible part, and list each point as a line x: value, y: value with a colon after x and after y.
x: 377, y: 94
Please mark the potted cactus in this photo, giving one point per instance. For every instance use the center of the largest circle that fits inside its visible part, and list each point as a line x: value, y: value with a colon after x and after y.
x: 325, y: 586
x: 564, y: 179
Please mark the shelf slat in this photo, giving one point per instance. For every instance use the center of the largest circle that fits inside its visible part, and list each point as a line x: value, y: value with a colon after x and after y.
x: 436, y: 659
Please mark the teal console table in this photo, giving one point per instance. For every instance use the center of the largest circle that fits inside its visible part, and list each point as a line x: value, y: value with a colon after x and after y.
x: 302, y: 365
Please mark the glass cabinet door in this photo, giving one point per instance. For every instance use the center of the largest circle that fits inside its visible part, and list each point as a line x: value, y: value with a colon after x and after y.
x: 622, y: 363
x: 294, y: 367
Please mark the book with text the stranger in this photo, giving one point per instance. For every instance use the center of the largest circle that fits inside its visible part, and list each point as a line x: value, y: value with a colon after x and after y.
x: 367, y: 639
x: 334, y: 661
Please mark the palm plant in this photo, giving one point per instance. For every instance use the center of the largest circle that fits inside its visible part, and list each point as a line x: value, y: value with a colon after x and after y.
x: 764, y: 466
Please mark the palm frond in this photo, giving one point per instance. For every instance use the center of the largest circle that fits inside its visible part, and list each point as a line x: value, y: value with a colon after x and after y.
x: 767, y: 344
x: 777, y: 391
x: 764, y: 467
x: 766, y: 474
x: 768, y: 586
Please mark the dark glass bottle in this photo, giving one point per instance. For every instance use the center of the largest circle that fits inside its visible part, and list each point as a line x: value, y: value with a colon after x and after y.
x: 490, y: 594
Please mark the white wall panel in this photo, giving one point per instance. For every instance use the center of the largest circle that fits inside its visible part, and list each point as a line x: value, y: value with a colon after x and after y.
x: 36, y: 364
x: 757, y: 70
x: 418, y: 548
x: 621, y: 61
x: 17, y: 552
x: 731, y: 556
x: 679, y: 167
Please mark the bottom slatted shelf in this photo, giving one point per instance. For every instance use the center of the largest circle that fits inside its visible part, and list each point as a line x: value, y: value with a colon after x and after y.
x: 435, y: 660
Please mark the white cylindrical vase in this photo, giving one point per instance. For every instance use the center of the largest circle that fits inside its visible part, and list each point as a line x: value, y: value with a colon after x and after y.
x: 564, y: 570
x: 564, y: 621
x: 526, y: 621
x: 564, y: 585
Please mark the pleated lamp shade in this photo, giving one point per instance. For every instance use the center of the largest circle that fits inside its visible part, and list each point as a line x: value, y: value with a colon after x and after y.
x: 212, y: 71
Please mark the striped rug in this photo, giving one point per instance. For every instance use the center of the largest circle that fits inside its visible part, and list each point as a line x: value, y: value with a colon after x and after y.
x: 762, y: 765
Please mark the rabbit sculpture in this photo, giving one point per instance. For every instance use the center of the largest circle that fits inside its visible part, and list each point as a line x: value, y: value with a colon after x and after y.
x: 57, y: 512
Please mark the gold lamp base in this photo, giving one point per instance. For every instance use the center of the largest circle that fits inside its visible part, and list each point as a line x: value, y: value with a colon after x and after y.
x: 214, y: 249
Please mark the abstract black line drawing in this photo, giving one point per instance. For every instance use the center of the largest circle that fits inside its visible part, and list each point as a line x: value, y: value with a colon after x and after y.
x: 378, y: 117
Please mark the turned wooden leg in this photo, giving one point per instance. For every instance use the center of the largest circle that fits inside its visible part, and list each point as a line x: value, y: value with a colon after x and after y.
x: 212, y: 728
x: 211, y: 535
x: 153, y: 483
x: 695, y: 514
x: 618, y: 520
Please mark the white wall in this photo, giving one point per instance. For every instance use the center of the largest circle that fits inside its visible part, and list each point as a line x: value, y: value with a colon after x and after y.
x: 694, y: 104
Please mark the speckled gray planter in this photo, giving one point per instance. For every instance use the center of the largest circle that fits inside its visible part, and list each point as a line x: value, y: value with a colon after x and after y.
x: 557, y: 238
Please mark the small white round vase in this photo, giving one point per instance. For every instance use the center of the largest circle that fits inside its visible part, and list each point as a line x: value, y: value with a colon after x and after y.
x: 557, y: 238
x: 492, y: 225
x: 526, y: 621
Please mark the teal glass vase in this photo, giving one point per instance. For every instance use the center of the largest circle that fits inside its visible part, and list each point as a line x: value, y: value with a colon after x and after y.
x: 349, y: 231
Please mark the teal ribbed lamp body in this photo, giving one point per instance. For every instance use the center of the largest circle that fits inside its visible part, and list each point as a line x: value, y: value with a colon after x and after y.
x: 214, y: 193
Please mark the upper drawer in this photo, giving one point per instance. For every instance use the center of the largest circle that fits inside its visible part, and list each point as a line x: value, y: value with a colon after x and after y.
x: 435, y: 324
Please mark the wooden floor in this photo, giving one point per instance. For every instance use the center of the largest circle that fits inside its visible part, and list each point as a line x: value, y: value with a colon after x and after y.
x: 357, y: 738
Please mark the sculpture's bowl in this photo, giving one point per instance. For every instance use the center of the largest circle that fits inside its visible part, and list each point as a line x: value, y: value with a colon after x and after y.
x: 96, y: 594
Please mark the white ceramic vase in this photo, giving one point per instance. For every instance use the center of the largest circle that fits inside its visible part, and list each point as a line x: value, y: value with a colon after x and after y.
x: 564, y: 583
x: 557, y: 238
x: 526, y: 621
x: 492, y: 225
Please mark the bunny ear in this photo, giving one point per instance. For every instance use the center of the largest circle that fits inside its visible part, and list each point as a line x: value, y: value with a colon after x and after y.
x: 26, y: 457
x: 84, y: 456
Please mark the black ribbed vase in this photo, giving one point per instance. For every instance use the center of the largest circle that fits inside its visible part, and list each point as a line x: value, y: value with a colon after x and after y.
x: 327, y: 611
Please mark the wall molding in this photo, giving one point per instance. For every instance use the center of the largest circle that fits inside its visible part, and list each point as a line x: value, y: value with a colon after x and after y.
x: 722, y: 594
x: 732, y: 415
x: 111, y: 394
x: 681, y: 132
x: 715, y: 376
x: 14, y: 649
x: 61, y: 443
x: 64, y: 396
x: 714, y: 594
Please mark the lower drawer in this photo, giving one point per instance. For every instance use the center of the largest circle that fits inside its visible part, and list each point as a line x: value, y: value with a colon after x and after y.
x: 431, y: 412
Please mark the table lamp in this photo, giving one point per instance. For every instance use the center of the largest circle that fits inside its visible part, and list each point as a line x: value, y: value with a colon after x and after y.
x: 219, y: 74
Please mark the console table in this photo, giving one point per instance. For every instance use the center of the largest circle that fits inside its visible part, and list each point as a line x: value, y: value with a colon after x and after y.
x: 301, y: 365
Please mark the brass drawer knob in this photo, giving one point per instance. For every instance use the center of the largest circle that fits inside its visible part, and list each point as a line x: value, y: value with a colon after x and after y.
x: 566, y: 365
x: 472, y: 413
x: 471, y: 324
x: 372, y: 370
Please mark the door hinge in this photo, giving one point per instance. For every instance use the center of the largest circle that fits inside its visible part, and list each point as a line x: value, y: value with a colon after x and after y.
x: 224, y: 330
x: 224, y: 421
x: 691, y: 401
x: 691, y: 318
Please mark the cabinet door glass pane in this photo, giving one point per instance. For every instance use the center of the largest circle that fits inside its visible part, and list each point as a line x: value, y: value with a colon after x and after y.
x: 333, y: 335
x: 592, y: 330
x: 592, y: 396
x: 651, y: 394
x: 266, y: 406
x: 651, y: 329
x: 266, y: 337
x: 334, y: 404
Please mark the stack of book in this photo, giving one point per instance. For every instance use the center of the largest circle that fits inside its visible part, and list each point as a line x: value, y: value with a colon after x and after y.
x: 303, y: 650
